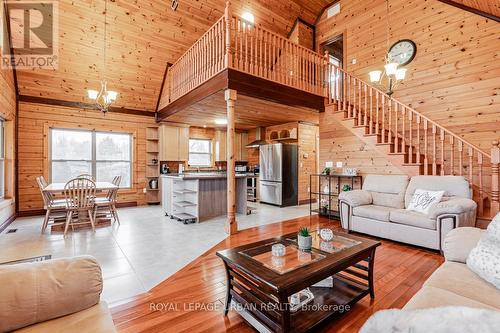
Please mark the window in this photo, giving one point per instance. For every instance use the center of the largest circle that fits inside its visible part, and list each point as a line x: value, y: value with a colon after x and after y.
x: 200, y: 152
x: 101, y: 154
x: 2, y: 160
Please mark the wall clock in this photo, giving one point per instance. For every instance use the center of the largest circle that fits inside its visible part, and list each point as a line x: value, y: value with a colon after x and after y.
x: 402, y: 52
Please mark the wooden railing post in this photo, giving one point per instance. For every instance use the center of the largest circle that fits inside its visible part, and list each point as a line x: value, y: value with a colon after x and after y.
x: 495, y: 161
x: 228, y: 18
x: 327, y: 77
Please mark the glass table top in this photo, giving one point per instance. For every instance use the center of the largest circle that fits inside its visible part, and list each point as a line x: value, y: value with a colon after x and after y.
x: 295, y: 258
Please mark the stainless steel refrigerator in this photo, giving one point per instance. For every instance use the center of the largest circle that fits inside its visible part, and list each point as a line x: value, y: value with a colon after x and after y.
x: 278, y: 178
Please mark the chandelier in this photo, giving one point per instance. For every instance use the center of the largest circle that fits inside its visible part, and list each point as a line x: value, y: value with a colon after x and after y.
x: 104, y: 97
x: 392, y: 75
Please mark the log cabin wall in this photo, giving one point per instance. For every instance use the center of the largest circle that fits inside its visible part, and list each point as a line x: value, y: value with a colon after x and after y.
x: 34, y: 121
x: 302, y: 34
x: 253, y: 154
x: 8, y: 113
x: 453, y: 79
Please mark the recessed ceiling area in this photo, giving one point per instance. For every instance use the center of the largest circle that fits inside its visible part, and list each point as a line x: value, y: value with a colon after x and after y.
x: 250, y: 113
x: 142, y: 37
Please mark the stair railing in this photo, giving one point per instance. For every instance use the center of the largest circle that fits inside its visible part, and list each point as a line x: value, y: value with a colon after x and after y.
x: 421, y: 140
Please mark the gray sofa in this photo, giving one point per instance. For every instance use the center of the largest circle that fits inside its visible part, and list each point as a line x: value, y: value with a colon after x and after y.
x: 379, y: 209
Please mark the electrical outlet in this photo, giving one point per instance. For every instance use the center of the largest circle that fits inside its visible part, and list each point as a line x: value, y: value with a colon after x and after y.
x: 354, y: 61
x: 329, y: 164
x: 144, y: 190
x: 339, y: 164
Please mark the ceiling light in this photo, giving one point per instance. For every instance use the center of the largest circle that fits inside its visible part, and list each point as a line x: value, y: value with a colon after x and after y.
x: 221, y: 121
x: 247, y: 16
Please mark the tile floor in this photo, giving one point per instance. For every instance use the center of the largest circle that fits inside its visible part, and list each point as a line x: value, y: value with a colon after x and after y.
x: 140, y: 253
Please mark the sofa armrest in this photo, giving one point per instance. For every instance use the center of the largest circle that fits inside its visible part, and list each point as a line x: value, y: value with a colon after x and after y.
x: 459, y: 242
x: 453, y: 206
x: 36, y: 292
x: 356, y: 198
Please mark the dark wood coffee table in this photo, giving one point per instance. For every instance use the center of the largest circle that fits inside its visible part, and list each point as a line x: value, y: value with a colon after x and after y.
x: 260, y: 285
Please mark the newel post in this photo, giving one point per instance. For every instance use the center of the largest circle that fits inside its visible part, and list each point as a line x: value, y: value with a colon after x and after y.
x: 495, y: 162
x: 228, y: 19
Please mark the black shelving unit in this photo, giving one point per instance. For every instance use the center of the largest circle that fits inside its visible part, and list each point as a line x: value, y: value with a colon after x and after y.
x: 326, y: 193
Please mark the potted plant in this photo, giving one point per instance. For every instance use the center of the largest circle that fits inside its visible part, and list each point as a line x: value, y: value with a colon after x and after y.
x: 304, y: 239
x: 327, y: 171
x: 346, y: 188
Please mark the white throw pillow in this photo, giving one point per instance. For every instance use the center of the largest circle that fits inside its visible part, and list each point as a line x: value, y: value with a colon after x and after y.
x: 423, y: 200
x: 484, y: 259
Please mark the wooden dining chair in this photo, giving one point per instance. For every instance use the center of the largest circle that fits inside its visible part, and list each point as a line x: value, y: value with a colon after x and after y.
x: 107, y: 204
x: 55, y: 208
x: 80, y: 200
x: 86, y: 176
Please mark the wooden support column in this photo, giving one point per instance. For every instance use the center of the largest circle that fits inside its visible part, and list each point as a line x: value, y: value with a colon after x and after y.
x: 495, y: 161
x: 231, y: 224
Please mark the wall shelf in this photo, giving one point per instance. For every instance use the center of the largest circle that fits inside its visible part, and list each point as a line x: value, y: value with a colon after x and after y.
x: 152, y: 169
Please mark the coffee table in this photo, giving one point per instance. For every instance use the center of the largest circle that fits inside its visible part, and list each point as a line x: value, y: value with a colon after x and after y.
x: 260, y: 285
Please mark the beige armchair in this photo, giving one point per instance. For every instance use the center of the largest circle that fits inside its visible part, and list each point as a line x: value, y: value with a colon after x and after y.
x: 60, y: 295
x: 379, y: 209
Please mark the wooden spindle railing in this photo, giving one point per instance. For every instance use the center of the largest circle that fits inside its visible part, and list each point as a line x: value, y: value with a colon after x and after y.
x: 236, y: 44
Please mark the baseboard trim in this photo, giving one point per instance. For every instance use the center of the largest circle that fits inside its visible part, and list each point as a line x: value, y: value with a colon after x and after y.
x: 7, y: 222
x: 37, y: 212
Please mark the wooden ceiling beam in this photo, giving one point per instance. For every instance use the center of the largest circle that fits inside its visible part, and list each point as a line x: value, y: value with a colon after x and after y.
x: 81, y: 105
x: 472, y: 10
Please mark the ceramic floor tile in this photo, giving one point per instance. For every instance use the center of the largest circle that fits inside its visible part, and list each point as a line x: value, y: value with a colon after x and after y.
x: 143, y: 251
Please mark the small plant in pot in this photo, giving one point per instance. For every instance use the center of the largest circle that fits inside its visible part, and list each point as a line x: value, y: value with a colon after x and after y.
x: 304, y: 239
x: 327, y: 171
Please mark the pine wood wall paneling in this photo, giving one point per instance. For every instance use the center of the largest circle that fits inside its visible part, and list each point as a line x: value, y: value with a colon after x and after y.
x: 143, y: 36
x: 453, y: 79
x: 34, y: 121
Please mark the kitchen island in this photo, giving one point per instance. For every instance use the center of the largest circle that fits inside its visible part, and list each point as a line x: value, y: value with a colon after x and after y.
x: 195, y: 197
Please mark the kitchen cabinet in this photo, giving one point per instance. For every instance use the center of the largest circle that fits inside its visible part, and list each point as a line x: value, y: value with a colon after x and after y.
x: 174, y: 143
x: 240, y: 142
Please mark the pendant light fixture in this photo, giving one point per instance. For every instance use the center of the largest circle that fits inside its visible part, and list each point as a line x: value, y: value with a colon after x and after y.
x: 389, y: 78
x: 104, y: 97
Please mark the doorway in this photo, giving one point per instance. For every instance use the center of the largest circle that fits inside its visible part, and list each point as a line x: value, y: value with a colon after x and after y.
x: 335, y: 48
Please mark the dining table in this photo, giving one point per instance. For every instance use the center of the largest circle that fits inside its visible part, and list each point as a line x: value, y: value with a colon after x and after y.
x: 57, y: 189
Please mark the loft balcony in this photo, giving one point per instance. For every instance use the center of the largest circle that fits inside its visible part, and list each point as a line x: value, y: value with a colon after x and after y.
x: 256, y: 62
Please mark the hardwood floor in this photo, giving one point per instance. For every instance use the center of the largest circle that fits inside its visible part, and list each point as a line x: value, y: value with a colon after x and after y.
x: 400, y: 271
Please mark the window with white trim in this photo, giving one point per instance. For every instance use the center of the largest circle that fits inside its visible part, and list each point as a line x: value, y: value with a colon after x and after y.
x: 2, y: 159
x: 100, y: 154
x: 200, y: 152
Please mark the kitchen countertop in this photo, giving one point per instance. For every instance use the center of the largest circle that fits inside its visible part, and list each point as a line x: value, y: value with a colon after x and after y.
x: 203, y: 175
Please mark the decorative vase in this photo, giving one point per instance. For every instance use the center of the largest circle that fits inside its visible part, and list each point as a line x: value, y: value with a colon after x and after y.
x: 304, y: 243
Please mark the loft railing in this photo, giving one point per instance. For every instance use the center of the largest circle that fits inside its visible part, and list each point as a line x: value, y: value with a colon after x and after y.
x: 234, y: 43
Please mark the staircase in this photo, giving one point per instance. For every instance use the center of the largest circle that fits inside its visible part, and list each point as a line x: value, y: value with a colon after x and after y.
x: 411, y: 141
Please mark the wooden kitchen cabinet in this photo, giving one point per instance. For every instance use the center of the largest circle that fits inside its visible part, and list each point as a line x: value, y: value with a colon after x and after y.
x: 174, y: 143
x: 240, y: 142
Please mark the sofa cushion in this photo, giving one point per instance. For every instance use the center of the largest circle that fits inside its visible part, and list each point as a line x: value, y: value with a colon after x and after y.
x: 454, y: 186
x: 408, y: 217
x: 432, y: 297
x: 356, y: 197
x: 380, y: 213
x: 459, y: 242
x: 459, y: 279
x: 387, y: 190
x: 49, y: 289
x: 96, y: 319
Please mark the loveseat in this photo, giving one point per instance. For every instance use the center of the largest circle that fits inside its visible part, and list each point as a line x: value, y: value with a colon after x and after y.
x: 379, y: 209
x: 60, y: 295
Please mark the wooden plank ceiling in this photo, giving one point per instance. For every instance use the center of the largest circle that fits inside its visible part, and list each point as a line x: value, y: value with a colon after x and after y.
x: 250, y: 113
x: 143, y: 36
